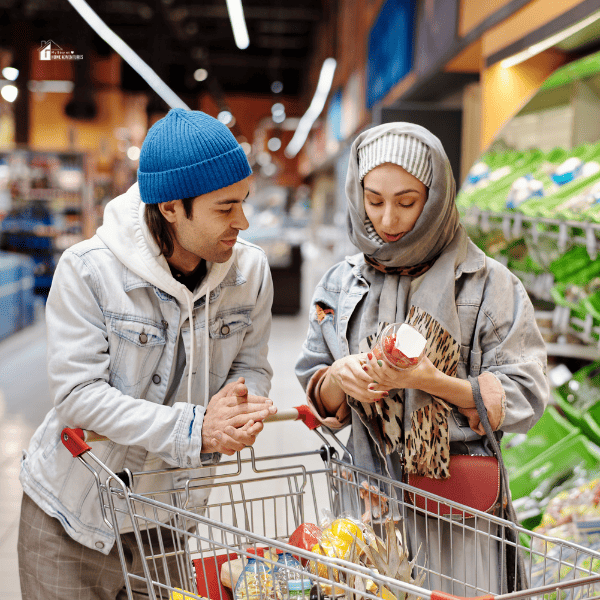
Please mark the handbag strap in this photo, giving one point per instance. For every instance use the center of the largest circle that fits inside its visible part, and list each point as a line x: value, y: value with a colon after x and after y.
x: 505, y: 496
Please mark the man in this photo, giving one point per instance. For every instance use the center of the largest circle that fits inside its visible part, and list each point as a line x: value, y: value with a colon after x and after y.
x: 130, y: 355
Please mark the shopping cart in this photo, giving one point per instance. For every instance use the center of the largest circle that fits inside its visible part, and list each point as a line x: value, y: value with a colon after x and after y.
x: 256, y: 504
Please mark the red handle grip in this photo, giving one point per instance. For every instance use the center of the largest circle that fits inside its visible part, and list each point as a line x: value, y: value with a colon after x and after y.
x: 73, y: 441
x: 306, y: 416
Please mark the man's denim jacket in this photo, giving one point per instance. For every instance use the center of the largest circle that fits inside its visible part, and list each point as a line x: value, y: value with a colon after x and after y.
x: 112, y: 341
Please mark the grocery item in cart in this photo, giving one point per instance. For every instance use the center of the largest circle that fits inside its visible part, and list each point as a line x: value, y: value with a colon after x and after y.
x: 389, y: 558
x: 400, y: 345
x: 255, y: 582
x: 335, y: 542
x: 305, y: 536
x: 286, y: 571
x: 289, y: 583
x: 179, y: 594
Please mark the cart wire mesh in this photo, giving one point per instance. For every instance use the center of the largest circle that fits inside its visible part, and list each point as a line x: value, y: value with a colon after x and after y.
x: 188, y: 548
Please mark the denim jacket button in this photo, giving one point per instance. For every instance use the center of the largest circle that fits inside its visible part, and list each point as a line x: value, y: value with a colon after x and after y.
x: 164, y: 324
x: 143, y: 338
x: 156, y: 379
x: 225, y: 329
x: 99, y: 545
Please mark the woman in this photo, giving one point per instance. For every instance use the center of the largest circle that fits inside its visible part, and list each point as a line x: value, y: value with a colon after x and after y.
x: 417, y: 265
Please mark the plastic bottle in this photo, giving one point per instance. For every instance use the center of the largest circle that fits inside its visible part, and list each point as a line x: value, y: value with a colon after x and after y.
x: 290, y: 584
x: 255, y: 582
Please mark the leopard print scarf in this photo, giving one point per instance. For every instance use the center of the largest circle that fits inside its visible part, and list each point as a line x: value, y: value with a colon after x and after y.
x: 426, y: 445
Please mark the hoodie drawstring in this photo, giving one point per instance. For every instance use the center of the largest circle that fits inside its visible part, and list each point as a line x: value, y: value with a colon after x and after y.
x: 191, y: 367
x: 192, y: 344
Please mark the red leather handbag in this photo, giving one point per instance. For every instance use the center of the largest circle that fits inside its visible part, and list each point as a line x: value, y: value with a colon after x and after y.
x: 474, y: 482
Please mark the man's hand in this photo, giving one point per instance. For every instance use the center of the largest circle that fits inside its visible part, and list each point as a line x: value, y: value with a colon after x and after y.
x: 234, y: 418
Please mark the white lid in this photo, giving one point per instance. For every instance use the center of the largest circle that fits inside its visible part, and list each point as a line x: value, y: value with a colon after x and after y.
x: 409, y: 341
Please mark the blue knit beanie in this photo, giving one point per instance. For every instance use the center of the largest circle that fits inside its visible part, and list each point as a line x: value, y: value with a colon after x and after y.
x: 187, y: 154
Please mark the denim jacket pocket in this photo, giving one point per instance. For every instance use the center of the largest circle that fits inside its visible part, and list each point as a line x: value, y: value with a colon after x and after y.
x: 136, y: 348
x: 227, y: 336
x: 228, y: 324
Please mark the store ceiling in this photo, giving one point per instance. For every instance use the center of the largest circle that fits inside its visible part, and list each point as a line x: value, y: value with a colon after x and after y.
x: 176, y: 37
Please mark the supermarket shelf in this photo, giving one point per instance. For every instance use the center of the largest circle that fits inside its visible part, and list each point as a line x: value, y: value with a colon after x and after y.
x: 514, y: 224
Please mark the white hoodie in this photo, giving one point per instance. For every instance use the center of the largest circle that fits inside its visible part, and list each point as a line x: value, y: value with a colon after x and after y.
x: 114, y: 317
x: 126, y: 234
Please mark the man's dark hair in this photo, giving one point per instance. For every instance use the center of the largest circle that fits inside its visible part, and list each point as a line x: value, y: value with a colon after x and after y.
x: 160, y: 228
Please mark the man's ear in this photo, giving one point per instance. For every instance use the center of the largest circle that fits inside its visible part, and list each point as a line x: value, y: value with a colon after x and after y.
x: 169, y: 210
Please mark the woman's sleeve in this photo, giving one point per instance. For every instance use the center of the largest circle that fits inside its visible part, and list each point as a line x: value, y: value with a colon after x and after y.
x: 313, y: 363
x: 511, y: 354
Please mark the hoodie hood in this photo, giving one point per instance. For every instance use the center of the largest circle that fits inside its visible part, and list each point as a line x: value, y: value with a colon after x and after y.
x: 126, y: 234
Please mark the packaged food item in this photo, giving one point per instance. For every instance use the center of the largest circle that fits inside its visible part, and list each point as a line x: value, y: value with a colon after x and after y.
x: 335, y: 542
x: 306, y: 536
x: 400, y: 345
x: 255, y: 582
x: 179, y: 594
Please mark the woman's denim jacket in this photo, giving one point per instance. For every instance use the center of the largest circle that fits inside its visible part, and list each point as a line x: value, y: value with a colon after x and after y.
x: 112, y: 340
x: 499, y: 334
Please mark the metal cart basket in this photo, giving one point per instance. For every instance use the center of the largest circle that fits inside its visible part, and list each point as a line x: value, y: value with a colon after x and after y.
x: 256, y: 503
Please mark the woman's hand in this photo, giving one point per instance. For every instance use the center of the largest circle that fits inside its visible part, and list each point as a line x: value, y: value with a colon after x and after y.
x: 384, y: 377
x: 350, y: 376
x: 425, y: 376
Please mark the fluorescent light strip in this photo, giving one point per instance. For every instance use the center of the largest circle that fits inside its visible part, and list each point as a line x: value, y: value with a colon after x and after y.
x: 136, y: 63
x: 51, y: 85
x: 314, y: 110
x: 238, y: 23
x: 507, y: 63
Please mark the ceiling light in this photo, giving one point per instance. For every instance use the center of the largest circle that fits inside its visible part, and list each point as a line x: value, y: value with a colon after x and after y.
x: 10, y: 73
x: 9, y: 92
x: 133, y: 153
x: 54, y: 86
x: 135, y: 62
x: 277, y: 108
x: 314, y: 110
x: 200, y: 74
x: 238, y: 23
x: 553, y: 40
x: 279, y: 118
x: 274, y: 144
x: 277, y: 87
x: 225, y: 117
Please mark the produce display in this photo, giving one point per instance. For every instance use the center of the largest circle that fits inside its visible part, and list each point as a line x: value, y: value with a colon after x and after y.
x: 563, y: 184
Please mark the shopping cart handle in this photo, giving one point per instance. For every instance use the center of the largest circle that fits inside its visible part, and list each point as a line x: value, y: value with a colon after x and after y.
x: 298, y: 413
x: 75, y: 439
x: 74, y: 442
